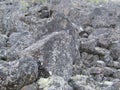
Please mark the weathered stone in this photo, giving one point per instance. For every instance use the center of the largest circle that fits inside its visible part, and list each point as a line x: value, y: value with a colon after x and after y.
x: 14, y: 75
x: 116, y: 64
x: 96, y: 70
x: 88, y: 46
x: 104, y: 42
x: 117, y: 74
x: 1, y: 19
x: 114, y: 86
x: 3, y: 40
x: 53, y: 83
x: 108, y: 71
x: 55, y: 52
x: 101, y: 51
x: 79, y: 82
x: 100, y: 64
x: 30, y: 87
x: 115, y: 50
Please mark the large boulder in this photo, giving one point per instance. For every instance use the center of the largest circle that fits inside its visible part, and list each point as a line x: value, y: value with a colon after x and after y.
x: 16, y: 74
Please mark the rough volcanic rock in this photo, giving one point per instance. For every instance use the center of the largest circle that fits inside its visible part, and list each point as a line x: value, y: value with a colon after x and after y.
x: 16, y: 74
x: 76, y: 43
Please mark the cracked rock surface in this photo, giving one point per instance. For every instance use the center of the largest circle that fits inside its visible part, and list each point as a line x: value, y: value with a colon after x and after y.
x: 51, y: 45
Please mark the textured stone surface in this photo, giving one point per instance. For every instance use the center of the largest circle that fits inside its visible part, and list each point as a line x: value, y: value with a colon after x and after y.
x: 14, y: 75
x: 53, y: 83
x: 76, y: 44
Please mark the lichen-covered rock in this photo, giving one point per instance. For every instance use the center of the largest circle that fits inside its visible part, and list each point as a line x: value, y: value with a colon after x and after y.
x: 55, y: 53
x: 33, y: 86
x: 79, y: 82
x: 53, y: 83
x: 76, y: 39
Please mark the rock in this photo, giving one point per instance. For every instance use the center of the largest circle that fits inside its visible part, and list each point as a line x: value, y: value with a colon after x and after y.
x: 88, y: 59
x: 30, y: 87
x: 51, y: 53
x: 3, y: 54
x: 3, y: 40
x: 100, y: 64
x: 104, y: 42
x: 116, y: 64
x: 96, y: 70
x: 109, y: 60
x: 66, y: 39
x: 117, y: 74
x: 53, y: 83
x: 17, y: 39
x: 1, y: 19
x: 108, y: 83
x: 16, y: 43
x: 16, y: 74
x: 108, y: 71
x: 115, y: 51
x: 88, y: 46
x: 114, y: 86
x: 55, y: 47
x: 101, y: 51
x: 102, y: 19
x: 89, y: 29
x: 79, y: 82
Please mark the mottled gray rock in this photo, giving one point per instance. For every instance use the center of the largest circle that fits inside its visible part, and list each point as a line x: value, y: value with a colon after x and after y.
x: 79, y: 82
x: 117, y: 74
x: 108, y: 71
x: 101, y: 51
x: 33, y: 86
x: 88, y: 46
x: 115, y: 50
x: 100, y: 63
x: 114, y: 86
x: 1, y: 19
x: 96, y: 70
x: 104, y: 42
x: 14, y: 75
x: 55, y: 53
x: 116, y: 64
x: 37, y: 31
x: 53, y: 83
x: 3, y: 40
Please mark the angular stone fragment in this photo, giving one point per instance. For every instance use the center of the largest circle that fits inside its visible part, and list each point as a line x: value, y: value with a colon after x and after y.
x: 30, y: 87
x: 101, y: 51
x: 96, y: 70
x: 100, y: 64
x: 114, y: 86
x: 53, y: 83
x: 80, y: 82
x: 115, y: 50
x: 3, y: 40
x: 55, y: 53
x: 88, y: 46
x: 117, y: 74
x: 14, y: 75
x: 108, y: 71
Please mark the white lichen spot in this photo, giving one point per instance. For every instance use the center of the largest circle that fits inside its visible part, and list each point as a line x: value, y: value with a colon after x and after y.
x: 44, y: 83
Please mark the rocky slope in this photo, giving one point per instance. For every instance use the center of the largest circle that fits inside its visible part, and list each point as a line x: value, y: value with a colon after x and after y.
x: 51, y: 45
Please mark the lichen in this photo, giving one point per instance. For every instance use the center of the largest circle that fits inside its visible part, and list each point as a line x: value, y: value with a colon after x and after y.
x: 44, y: 83
x: 24, y: 4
